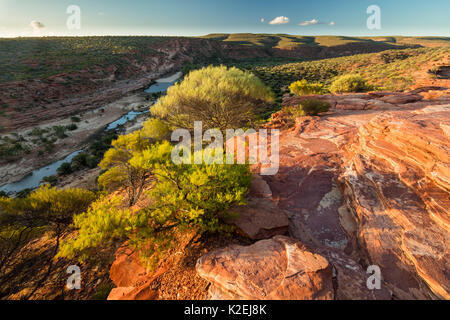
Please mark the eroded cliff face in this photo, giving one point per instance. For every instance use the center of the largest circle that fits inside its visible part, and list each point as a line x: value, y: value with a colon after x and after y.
x: 365, y: 184
x: 396, y: 183
x: 368, y: 184
x: 62, y: 95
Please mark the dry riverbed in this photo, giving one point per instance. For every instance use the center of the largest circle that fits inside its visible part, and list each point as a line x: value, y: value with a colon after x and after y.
x: 91, y: 122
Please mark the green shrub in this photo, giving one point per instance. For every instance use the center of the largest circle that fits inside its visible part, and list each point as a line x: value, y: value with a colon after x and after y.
x: 182, y: 197
x: 29, y: 215
x: 222, y: 98
x: 37, y: 132
x: 72, y: 127
x: 310, y: 107
x: 350, y: 83
x: 47, y: 205
x: 60, y: 131
x: 52, y: 180
x: 302, y: 87
x: 10, y: 148
x: 80, y: 160
x: 65, y: 168
x: 92, y: 161
x: 49, y: 146
x: 119, y: 172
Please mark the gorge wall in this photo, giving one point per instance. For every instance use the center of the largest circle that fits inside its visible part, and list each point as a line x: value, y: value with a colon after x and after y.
x: 365, y: 184
x: 34, y: 100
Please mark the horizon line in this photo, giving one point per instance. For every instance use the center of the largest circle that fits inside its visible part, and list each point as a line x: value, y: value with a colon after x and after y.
x: 217, y: 33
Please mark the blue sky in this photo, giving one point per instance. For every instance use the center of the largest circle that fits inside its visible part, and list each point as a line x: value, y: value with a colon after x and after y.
x: 199, y: 17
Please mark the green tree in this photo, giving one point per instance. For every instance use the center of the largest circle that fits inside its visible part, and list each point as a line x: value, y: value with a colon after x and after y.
x: 46, y: 206
x: 21, y: 219
x: 119, y: 171
x: 221, y: 98
x: 182, y: 197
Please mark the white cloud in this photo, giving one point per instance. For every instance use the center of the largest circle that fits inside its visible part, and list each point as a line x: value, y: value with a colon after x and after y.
x: 262, y: 20
x: 36, y: 25
x: 280, y: 20
x: 309, y: 22
x: 332, y: 23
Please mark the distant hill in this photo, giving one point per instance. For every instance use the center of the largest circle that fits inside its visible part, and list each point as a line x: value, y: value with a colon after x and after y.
x: 292, y: 42
x: 32, y: 58
x: 393, y: 70
x: 66, y: 73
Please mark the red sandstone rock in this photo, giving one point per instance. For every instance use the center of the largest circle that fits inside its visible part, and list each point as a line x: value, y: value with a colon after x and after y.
x: 130, y: 277
x: 401, y: 98
x: 126, y: 271
x: 260, y: 219
x: 351, y: 104
x: 374, y: 104
x: 357, y: 185
x: 276, y: 269
x: 397, y: 183
x: 259, y: 187
x: 351, y: 278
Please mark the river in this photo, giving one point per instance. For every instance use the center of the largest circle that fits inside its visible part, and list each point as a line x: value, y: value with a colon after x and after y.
x: 34, y: 179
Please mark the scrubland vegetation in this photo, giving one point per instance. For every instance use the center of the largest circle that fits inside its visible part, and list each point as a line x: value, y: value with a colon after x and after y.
x: 91, y: 156
x: 389, y: 70
x: 31, y: 58
x: 310, y: 107
x: 219, y: 97
x: 289, y: 42
x: 181, y: 196
x: 144, y: 197
x: 157, y: 198
x: 302, y: 87
x: 14, y: 145
x: 46, y: 210
x: 350, y: 83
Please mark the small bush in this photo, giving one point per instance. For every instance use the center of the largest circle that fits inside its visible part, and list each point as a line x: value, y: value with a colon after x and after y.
x: 75, y: 119
x: 72, y: 127
x: 183, y: 197
x: 302, y: 87
x: 52, y: 180
x: 350, y: 83
x: 311, y: 107
x: 60, y: 131
x: 65, y: 168
x: 49, y: 146
x: 92, y: 161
